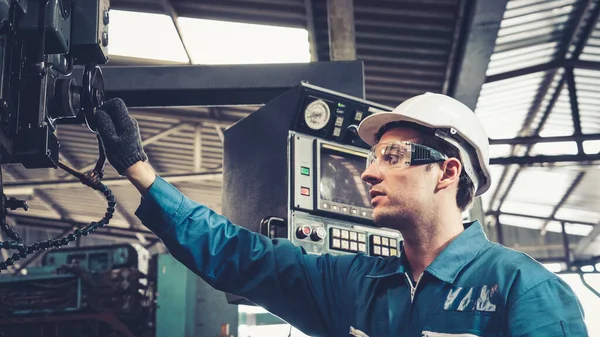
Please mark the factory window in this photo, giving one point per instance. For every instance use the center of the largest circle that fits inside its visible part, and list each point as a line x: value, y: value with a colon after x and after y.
x: 153, y: 36
x: 144, y: 35
x: 220, y: 42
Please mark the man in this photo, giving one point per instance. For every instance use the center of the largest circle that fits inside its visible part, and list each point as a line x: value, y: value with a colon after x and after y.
x: 429, y: 158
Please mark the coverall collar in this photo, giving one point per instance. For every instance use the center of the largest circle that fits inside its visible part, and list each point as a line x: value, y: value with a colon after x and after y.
x: 451, y: 260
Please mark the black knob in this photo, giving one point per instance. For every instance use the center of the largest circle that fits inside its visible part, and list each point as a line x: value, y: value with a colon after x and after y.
x: 105, y: 17
x: 303, y: 231
x: 318, y: 234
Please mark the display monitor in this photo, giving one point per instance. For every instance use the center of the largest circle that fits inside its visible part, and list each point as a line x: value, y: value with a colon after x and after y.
x: 341, y: 189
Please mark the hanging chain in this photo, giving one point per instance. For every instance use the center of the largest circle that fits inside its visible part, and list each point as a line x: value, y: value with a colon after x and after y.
x: 91, y: 179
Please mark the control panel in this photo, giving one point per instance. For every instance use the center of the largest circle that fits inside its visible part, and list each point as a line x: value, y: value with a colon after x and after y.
x: 320, y: 235
x: 334, y: 116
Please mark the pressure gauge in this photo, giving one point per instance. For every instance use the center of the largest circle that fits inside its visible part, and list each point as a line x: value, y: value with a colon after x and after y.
x: 316, y: 115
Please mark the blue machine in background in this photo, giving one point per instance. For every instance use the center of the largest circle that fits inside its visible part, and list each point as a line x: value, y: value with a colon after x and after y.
x: 89, y: 291
x: 115, y: 290
x: 187, y: 306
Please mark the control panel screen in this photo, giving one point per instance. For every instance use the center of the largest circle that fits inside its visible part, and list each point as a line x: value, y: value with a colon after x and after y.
x: 340, y: 179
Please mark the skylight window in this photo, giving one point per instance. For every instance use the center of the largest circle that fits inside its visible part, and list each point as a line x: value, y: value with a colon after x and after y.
x: 153, y: 36
x: 220, y: 42
x: 144, y: 35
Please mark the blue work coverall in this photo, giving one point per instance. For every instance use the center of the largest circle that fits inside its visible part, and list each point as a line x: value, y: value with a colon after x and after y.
x: 473, y: 288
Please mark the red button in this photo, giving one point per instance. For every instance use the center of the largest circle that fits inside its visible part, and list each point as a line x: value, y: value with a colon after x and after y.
x: 305, y: 191
x: 306, y: 230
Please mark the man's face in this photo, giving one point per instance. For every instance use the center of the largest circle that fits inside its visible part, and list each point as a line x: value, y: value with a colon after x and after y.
x: 400, y: 196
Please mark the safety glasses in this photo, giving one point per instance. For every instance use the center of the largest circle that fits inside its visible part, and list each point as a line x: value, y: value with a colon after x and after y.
x: 402, y: 154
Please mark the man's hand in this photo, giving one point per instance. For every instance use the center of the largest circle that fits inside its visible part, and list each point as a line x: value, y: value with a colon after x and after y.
x: 120, y: 135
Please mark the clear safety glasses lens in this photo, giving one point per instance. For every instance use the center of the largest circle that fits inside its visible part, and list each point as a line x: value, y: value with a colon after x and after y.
x: 402, y: 154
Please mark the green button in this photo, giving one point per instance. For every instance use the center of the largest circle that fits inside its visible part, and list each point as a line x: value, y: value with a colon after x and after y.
x: 305, y: 171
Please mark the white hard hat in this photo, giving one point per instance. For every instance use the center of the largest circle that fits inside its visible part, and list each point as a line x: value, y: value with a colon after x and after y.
x: 452, y: 121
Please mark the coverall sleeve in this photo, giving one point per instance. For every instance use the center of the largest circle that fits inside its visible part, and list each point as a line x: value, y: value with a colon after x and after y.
x: 549, y: 309
x: 307, y: 291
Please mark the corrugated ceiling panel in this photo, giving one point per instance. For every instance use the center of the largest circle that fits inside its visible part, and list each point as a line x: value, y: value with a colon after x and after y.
x: 504, y: 105
x: 532, y: 194
x: 544, y: 105
x: 395, y: 39
x: 583, y: 203
x: 591, y: 51
x: 530, y: 33
x: 587, y: 83
x: 560, y: 121
x: 83, y: 204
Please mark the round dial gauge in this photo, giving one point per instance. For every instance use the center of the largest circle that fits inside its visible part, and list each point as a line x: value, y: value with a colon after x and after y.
x: 316, y: 115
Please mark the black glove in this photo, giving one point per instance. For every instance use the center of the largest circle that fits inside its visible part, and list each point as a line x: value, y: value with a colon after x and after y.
x: 120, y: 134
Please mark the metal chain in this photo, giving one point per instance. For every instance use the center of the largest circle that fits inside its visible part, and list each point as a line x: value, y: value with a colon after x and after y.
x: 92, y: 180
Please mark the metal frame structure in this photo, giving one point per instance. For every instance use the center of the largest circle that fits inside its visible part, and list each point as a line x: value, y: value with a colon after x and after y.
x: 585, y: 18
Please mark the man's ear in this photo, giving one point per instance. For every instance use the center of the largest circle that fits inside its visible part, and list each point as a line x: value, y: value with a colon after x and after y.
x: 451, y: 170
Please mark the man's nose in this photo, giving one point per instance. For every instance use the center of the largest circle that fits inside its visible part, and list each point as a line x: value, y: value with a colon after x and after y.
x: 371, y: 175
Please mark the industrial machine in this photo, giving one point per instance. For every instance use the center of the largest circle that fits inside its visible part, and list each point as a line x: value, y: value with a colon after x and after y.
x: 88, y: 291
x: 41, y: 43
x: 292, y: 170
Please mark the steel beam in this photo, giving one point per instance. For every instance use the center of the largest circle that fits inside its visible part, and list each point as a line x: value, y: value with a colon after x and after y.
x: 170, y: 11
x: 571, y: 37
x: 342, y: 39
x: 563, y: 200
x: 543, y: 159
x: 199, y: 85
x: 545, y: 218
x: 457, y: 39
x: 483, y: 18
x: 552, y: 65
x: 198, y: 148
x: 312, y: 32
x: 114, y: 233
x: 117, y: 181
x: 574, y: 107
x: 537, y: 139
x: 150, y: 140
x: 587, y: 65
x: 585, y: 242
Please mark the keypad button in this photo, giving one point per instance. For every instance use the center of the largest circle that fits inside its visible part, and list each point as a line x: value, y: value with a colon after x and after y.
x: 362, y: 237
x: 377, y: 250
x: 362, y: 247
x: 385, y: 251
x: 353, y: 236
x: 335, y: 243
x: 376, y: 240
x: 385, y: 241
x: 345, y: 244
x: 335, y: 233
x: 353, y: 246
x: 344, y: 234
x: 393, y: 252
x: 393, y: 243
